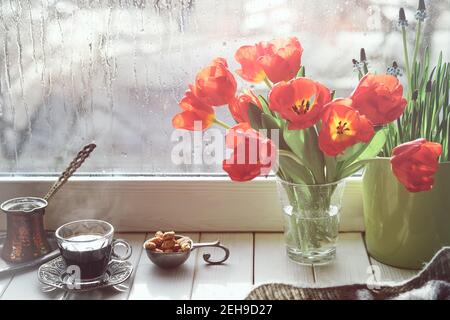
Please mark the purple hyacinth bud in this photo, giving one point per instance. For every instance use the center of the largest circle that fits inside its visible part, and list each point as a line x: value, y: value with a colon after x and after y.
x: 402, y: 22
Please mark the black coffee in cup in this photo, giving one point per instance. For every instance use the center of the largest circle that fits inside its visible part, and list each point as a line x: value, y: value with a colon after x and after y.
x: 87, y: 246
x: 89, y: 253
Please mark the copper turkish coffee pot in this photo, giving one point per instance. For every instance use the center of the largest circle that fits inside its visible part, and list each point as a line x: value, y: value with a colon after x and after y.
x: 25, y: 236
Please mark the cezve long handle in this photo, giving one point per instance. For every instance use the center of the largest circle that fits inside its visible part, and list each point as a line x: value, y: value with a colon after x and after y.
x: 74, y: 165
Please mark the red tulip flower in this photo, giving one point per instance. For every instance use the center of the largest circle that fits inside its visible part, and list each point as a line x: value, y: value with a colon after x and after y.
x: 248, y: 57
x: 379, y: 98
x: 414, y: 164
x: 278, y: 60
x: 215, y: 84
x: 342, y: 127
x: 300, y: 101
x: 283, y: 60
x: 239, y: 106
x: 194, y: 110
x: 253, y: 155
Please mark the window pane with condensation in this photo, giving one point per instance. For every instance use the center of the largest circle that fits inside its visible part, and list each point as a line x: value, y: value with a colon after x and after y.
x: 75, y: 71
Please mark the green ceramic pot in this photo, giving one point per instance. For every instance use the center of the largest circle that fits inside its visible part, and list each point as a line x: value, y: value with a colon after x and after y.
x: 405, y: 229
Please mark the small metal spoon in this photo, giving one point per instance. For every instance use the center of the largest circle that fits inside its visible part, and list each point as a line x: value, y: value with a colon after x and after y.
x: 175, y: 259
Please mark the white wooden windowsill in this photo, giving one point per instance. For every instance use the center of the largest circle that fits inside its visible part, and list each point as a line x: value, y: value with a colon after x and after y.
x: 190, y: 204
x: 256, y: 258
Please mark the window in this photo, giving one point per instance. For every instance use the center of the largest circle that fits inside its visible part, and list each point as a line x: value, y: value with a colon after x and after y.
x: 113, y: 71
x: 73, y: 71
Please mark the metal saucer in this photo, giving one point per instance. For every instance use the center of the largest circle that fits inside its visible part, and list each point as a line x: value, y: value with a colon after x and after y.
x: 53, y: 274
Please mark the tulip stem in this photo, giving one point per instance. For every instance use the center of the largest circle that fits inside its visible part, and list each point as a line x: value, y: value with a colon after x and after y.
x: 400, y: 131
x: 221, y: 123
x: 268, y: 83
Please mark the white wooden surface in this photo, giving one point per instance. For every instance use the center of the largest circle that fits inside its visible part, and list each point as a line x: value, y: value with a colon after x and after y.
x: 351, y: 265
x: 273, y: 265
x: 4, y: 283
x: 25, y: 286
x: 256, y: 258
x: 234, y: 279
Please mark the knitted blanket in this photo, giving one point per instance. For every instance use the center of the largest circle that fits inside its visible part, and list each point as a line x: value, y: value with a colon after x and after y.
x: 432, y: 283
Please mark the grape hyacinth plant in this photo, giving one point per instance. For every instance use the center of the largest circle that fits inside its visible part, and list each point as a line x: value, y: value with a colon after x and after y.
x: 427, y: 114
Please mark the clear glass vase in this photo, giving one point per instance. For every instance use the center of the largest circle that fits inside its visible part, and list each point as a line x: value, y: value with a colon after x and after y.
x: 311, y: 220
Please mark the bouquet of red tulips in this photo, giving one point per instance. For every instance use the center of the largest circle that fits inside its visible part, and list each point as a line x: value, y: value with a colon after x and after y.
x: 321, y: 139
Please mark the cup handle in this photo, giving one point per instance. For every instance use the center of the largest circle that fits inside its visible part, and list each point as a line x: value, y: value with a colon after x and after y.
x: 122, y: 243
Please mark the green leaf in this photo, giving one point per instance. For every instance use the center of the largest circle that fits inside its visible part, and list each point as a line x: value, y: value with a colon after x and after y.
x: 266, y: 109
x: 295, y: 140
x: 293, y: 170
x: 304, y: 144
x: 269, y: 122
x: 301, y: 72
x: 360, y: 156
x: 374, y: 147
x: 351, y: 153
x: 361, y: 151
x: 254, y: 115
x: 264, y: 105
x: 355, y: 167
